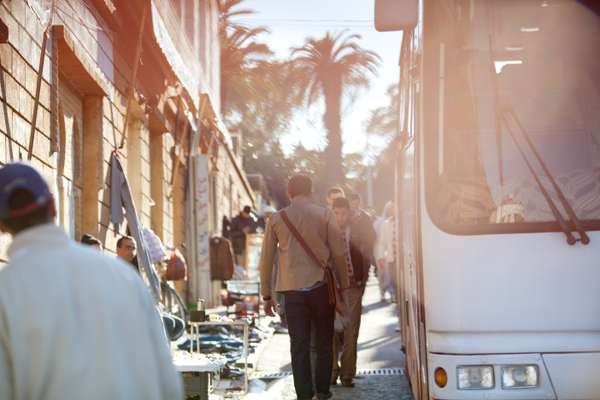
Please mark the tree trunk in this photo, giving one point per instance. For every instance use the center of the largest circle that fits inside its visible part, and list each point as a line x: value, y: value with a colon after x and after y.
x: 332, y: 91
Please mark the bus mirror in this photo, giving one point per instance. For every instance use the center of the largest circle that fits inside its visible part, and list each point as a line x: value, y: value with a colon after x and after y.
x: 396, y: 15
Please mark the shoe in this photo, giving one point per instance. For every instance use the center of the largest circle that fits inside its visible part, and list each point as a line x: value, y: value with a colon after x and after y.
x: 347, y: 383
x: 334, y: 378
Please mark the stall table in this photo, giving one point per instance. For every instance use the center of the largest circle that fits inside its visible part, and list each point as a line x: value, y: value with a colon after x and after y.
x: 195, y: 338
x: 197, y: 374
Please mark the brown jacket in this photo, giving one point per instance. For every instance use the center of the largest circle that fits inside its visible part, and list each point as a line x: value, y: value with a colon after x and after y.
x: 221, y: 259
x: 297, y: 270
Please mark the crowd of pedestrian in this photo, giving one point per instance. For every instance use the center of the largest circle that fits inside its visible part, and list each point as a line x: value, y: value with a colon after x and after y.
x: 324, y: 256
x: 70, y: 313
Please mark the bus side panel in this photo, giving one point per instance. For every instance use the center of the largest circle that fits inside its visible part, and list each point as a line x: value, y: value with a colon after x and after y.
x: 405, y: 284
x: 409, y: 297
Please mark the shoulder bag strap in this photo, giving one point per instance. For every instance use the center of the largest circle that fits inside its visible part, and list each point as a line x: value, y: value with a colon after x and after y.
x: 328, y: 273
x: 301, y: 240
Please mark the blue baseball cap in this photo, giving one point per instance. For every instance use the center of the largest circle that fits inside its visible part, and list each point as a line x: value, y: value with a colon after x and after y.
x: 20, y: 176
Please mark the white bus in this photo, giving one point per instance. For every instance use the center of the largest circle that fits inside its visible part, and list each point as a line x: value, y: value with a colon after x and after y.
x: 498, y: 196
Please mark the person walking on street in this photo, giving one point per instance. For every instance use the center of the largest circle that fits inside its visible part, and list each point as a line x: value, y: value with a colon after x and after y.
x: 355, y: 202
x: 333, y: 194
x: 384, y: 252
x: 362, y: 221
x: 243, y: 224
x: 68, y: 313
x: 305, y: 233
x: 358, y: 239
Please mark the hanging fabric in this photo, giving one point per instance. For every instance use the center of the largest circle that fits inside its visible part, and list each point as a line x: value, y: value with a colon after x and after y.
x: 156, y: 250
x: 122, y: 208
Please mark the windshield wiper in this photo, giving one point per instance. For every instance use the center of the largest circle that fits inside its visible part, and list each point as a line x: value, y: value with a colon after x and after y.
x: 583, y: 237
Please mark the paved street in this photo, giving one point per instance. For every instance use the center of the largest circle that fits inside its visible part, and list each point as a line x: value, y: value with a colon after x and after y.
x: 379, y: 360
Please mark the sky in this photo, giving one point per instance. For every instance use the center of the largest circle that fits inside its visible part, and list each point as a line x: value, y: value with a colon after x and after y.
x: 291, y: 21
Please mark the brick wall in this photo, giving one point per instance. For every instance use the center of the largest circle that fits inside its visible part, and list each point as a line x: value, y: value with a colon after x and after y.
x: 94, y: 107
x: 93, y: 124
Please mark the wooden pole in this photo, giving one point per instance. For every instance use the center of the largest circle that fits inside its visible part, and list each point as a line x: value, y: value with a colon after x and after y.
x: 36, y: 103
x: 5, y: 108
x: 54, y: 94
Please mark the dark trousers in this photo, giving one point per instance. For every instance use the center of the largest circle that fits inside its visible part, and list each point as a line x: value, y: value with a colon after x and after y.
x: 306, y: 311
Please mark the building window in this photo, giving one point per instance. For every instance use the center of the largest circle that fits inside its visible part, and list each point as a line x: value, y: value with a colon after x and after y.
x: 69, y: 165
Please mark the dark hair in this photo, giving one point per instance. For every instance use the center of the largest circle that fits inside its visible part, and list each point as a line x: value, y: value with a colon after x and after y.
x: 90, y: 240
x: 341, y: 202
x: 41, y: 215
x: 335, y: 189
x: 355, y: 196
x: 300, y: 185
x: 247, y: 209
x: 122, y: 239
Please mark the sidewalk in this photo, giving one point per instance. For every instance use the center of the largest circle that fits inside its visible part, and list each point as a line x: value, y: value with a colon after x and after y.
x: 380, y: 359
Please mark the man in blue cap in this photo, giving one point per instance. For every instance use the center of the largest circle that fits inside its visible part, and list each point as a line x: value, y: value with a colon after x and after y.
x: 68, y: 313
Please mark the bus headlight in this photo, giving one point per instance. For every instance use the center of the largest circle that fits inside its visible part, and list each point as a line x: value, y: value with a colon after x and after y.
x: 475, y: 377
x: 519, y: 376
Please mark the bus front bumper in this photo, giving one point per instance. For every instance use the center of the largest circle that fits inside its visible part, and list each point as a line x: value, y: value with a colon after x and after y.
x: 564, y: 376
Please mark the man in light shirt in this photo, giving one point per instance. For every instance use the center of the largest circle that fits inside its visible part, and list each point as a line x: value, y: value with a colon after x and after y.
x: 303, y: 282
x: 74, y: 323
x: 384, y: 252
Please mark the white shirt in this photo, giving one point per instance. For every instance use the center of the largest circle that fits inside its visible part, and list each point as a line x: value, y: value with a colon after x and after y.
x: 384, y: 245
x: 76, y: 324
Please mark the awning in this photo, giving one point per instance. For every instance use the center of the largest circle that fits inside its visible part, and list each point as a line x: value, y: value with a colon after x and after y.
x: 163, y: 32
x: 209, y: 114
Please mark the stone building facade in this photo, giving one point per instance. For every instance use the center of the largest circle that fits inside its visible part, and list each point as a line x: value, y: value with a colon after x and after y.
x: 139, y: 77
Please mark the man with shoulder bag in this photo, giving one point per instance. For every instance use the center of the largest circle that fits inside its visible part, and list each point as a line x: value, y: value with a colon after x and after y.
x: 312, y: 270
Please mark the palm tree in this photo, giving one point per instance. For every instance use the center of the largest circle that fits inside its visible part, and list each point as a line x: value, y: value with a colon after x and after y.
x: 256, y: 95
x: 332, y: 67
x: 385, y: 120
x: 227, y: 14
x: 240, y: 50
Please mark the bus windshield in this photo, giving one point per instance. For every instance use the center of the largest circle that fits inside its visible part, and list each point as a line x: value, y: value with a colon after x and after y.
x: 497, y: 73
